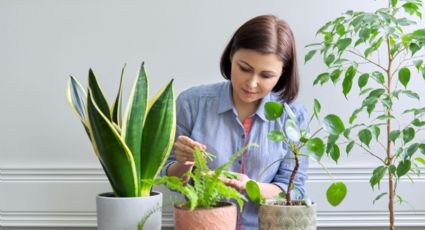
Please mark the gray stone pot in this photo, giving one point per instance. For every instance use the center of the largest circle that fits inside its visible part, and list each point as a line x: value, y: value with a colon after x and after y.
x: 125, y: 213
x: 299, y: 217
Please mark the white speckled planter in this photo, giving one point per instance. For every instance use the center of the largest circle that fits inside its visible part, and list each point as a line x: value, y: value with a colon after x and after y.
x: 124, y: 213
x: 299, y: 217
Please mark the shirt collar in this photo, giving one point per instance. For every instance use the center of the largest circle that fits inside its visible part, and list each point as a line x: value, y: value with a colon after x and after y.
x: 226, y: 103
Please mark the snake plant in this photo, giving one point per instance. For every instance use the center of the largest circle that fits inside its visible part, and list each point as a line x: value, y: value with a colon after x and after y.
x: 131, y: 148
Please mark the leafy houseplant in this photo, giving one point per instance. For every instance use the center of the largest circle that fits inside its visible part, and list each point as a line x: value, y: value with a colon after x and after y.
x: 382, y: 51
x: 133, y: 148
x: 299, y: 142
x: 205, y: 195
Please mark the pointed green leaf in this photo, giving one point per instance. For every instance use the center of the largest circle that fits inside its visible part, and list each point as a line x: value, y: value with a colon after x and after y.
x: 134, y: 117
x: 412, y: 149
x: 159, y: 128
x: 322, y: 78
x: 375, y: 131
x: 378, y: 174
x: 363, y: 79
x: 348, y: 80
x: 365, y: 136
x: 333, y: 124
x: 335, y: 152
x: 379, y: 77
x: 336, y: 193
x: 254, y: 193
x: 404, y: 76
x: 316, y: 148
x: 422, y: 148
x: 76, y: 97
x: 394, y: 135
x: 273, y: 110
x: 335, y: 75
x: 403, y: 167
x: 408, y: 134
x: 349, y: 147
x: 98, y: 96
x: 342, y: 44
x: 420, y: 160
x: 418, y: 123
x: 309, y: 55
x: 329, y: 59
x: 379, y: 197
x: 340, y: 29
x: 117, y: 106
x: 113, y: 152
x: 316, y: 108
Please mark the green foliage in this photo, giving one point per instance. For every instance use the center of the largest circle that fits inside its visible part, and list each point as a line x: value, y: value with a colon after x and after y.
x: 300, y: 142
x: 387, y: 41
x: 133, y: 149
x: 208, y: 188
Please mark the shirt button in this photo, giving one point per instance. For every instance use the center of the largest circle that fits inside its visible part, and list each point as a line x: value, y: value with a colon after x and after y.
x: 239, y: 161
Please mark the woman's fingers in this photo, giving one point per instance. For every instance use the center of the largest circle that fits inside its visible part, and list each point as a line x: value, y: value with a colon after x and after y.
x: 183, y: 148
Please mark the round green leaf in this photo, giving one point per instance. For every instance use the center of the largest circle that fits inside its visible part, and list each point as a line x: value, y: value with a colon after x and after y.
x: 336, y: 193
x: 403, y: 167
x: 333, y: 124
x: 273, y: 110
x: 292, y: 130
x: 276, y: 136
x: 316, y: 147
x: 394, y: 135
x: 365, y: 136
x: 404, y: 76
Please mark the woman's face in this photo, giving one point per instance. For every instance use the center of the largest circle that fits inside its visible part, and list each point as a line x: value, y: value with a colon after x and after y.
x: 253, y: 75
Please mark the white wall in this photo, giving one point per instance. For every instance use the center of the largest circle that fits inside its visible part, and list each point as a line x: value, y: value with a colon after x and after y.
x: 49, y: 174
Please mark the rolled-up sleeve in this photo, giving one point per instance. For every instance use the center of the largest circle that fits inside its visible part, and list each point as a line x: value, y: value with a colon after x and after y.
x: 183, y: 127
x: 286, y: 166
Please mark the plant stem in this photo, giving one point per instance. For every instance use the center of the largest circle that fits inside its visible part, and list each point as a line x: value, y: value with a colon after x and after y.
x: 292, y: 178
x: 389, y: 155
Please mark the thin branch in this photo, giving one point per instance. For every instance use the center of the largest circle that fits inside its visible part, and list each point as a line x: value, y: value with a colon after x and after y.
x: 359, y: 55
x: 371, y: 153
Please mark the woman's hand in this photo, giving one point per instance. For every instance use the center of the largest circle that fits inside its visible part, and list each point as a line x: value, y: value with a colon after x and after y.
x: 238, y: 183
x: 183, y: 149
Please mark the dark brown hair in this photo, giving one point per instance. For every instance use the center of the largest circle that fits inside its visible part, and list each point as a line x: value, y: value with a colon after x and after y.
x: 267, y: 34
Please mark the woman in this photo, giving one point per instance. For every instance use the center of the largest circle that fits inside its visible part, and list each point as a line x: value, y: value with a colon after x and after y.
x: 259, y: 64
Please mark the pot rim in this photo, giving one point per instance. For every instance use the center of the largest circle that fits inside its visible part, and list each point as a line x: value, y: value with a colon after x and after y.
x: 225, y: 204
x: 110, y: 195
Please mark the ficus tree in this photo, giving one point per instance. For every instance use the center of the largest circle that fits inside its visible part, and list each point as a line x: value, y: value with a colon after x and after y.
x: 381, y: 53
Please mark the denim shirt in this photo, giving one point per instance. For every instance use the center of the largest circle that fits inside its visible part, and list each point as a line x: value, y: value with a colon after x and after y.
x: 207, y: 115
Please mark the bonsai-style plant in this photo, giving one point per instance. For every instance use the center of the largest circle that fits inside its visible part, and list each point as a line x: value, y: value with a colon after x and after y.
x: 132, y: 147
x: 383, y: 52
x: 300, y: 142
x: 204, y: 195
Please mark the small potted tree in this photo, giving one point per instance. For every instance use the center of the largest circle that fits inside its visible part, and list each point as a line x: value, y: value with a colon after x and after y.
x: 131, y: 149
x: 383, y: 52
x: 204, y: 207
x: 283, y: 212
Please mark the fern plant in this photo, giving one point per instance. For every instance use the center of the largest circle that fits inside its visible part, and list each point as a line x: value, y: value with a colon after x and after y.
x: 208, y: 188
x: 382, y: 51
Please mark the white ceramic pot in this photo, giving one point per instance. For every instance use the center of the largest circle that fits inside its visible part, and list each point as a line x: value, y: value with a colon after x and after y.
x: 298, y: 217
x: 125, y: 213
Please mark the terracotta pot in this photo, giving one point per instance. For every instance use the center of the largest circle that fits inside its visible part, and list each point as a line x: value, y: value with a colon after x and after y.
x: 125, y: 213
x: 222, y: 217
x: 297, y: 217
